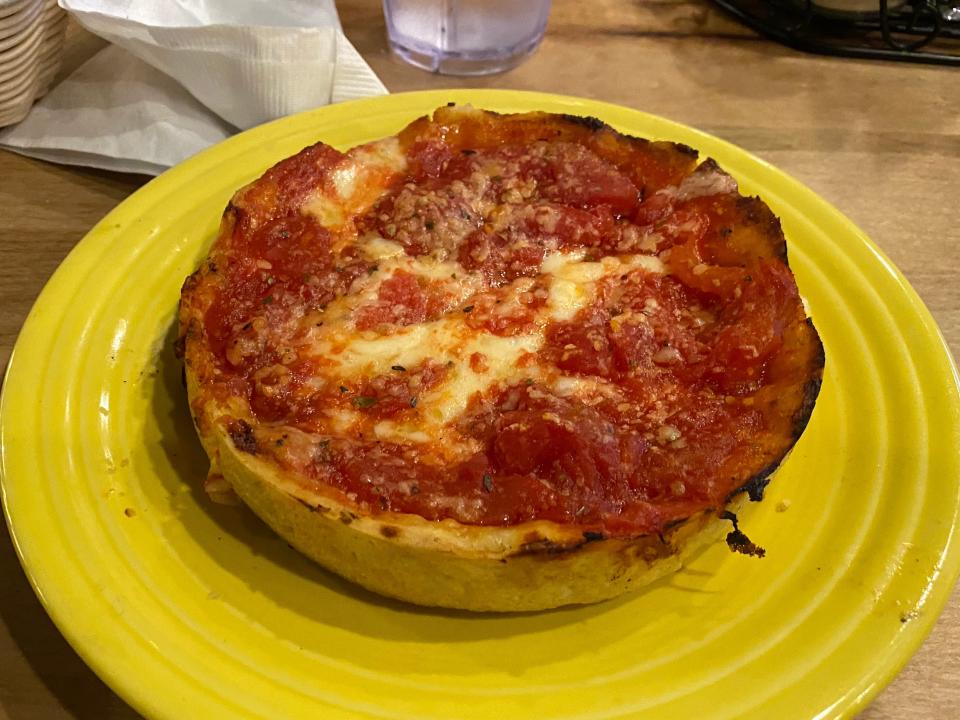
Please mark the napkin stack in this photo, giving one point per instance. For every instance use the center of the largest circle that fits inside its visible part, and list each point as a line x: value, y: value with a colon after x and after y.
x: 184, y: 74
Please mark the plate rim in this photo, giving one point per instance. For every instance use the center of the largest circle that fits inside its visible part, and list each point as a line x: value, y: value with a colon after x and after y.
x: 205, y: 160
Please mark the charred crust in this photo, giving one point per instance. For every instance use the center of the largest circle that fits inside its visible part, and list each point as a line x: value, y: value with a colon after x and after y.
x: 236, y: 220
x: 820, y: 359
x: 709, y: 165
x: 312, y: 508
x: 191, y: 281
x: 751, y: 208
x: 780, y: 240
x: 738, y: 542
x: 545, y: 546
x: 755, y: 486
x: 811, y: 391
x: 596, y: 125
x: 347, y: 517
x: 591, y: 536
x: 241, y: 434
x: 389, y: 531
x: 535, y: 544
x: 754, y: 211
x: 802, y: 417
x: 671, y: 524
x: 590, y: 123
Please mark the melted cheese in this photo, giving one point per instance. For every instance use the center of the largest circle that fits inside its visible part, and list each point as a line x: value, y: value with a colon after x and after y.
x: 352, y: 355
x: 573, y: 283
x: 388, y: 257
x: 447, y: 340
x: 378, y: 248
x: 357, y: 182
x: 573, y: 385
x: 446, y: 402
x: 706, y: 180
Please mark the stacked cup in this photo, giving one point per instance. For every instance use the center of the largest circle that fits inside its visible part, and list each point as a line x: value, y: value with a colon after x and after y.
x: 31, y: 47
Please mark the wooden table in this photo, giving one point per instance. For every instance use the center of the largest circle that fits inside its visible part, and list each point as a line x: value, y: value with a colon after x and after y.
x: 878, y: 140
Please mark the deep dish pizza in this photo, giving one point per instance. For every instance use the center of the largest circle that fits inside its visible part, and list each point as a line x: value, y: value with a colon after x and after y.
x: 498, y: 362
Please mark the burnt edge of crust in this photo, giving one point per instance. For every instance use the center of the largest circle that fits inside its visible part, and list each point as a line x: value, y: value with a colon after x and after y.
x: 192, y: 280
x: 810, y: 393
x: 545, y: 546
x: 241, y: 434
x: 596, y: 125
x: 322, y: 509
x: 811, y: 390
x: 535, y: 544
x: 180, y: 347
x: 587, y: 121
x: 755, y: 212
x: 755, y: 486
x: 738, y: 541
x: 708, y: 164
x: 677, y: 522
x: 685, y: 149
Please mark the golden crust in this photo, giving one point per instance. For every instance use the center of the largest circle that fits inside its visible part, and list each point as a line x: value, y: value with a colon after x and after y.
x: 532, y: 566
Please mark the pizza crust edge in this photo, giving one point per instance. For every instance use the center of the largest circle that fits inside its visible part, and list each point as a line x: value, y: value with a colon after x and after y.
x: 539, y: 565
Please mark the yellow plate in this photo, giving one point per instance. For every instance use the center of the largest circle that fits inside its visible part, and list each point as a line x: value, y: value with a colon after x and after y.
x: 189, y: 610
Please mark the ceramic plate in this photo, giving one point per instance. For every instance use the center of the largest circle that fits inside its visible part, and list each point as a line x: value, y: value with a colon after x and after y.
x: 188, y: 609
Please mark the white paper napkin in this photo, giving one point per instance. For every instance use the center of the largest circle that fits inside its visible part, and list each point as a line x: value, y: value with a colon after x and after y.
x: 185, y: 74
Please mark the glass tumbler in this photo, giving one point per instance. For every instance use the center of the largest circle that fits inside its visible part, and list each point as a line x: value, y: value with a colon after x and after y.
x: 465, y: 37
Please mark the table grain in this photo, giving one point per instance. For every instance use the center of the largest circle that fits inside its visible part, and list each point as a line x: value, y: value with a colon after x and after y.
x: 880, y: 141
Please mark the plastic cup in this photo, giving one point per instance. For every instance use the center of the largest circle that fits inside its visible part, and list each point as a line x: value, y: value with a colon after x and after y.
x: 465, y: 37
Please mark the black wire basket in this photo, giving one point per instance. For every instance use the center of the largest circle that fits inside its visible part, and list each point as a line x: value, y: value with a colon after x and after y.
x: 925, y: 31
